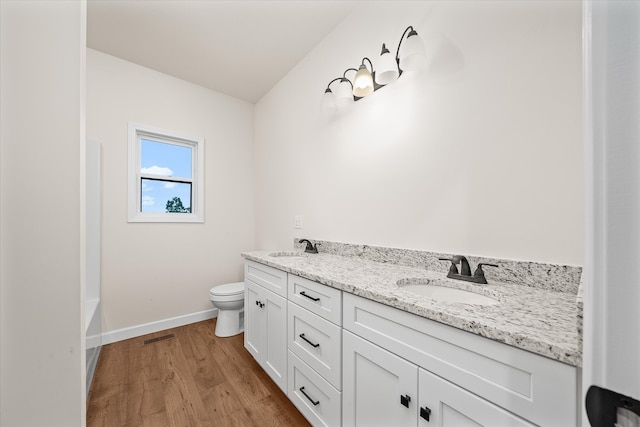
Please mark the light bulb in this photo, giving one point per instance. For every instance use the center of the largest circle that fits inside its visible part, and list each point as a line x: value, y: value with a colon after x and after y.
x: 328, y: 102
x: 344, y: 94
x: 413, y: 56
x: 387, y: 68
x: 363, y: 82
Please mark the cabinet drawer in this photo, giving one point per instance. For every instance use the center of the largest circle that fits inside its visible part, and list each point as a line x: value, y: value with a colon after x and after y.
x: 268, y: 277
x: 320, y: 299
x: 537, y: 388
x: 317, y: 342
x: 316, y: 399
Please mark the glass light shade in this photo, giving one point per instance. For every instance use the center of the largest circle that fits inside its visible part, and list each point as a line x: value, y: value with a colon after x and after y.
x: 387, y: 69
x: 344, y: 94
x: 363, y: 82
x: 413, y: 56
x: 328, y: 102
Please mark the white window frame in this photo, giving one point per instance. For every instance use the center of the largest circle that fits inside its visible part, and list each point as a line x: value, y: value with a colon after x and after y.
x: 136, y: 133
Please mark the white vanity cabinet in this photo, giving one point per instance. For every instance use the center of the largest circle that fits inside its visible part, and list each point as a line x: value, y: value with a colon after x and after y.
x: 315, y: 350
x: 402, y: 367
x: 265, y: 313
x: 346, y: 360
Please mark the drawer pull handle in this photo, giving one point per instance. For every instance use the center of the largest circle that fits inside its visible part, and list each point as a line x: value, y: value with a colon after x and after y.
x: 309, y: 296
x: 404, y: 400
x: 425, y: 413
x: 315, y: 402
x: 315, y: 345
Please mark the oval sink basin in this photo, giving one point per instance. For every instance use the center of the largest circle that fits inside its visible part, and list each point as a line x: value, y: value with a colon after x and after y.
x: 288, y: 254
x: 447, y: 294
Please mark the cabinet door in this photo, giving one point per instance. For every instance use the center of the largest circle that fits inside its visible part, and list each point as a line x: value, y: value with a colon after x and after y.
x: 253, y: 325
x: 444, y: 404
x: 379, y: 389
x: 274, y: 344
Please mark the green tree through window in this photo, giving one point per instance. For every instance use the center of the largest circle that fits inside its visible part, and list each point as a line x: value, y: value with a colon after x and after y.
x: 175, y: 205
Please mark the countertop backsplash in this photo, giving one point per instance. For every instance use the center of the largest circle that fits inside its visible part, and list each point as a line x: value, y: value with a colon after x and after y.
x: 553, y: 277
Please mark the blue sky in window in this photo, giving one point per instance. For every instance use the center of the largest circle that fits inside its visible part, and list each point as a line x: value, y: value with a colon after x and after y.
x: 168, y: 160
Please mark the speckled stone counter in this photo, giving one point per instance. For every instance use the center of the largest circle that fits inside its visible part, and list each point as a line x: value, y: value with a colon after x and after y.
x: 540, y: 319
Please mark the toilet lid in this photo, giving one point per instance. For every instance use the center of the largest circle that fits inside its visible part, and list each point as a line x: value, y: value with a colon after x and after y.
x: 228, y: 289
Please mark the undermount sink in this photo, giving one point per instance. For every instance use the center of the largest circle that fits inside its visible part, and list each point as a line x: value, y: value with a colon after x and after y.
x: 288, y: 254
x: 445, y: 293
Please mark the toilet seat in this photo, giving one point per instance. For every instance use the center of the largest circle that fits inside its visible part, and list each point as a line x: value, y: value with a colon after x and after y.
x: 227, y: 290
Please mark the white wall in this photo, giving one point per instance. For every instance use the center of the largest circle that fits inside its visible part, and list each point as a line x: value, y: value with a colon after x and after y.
x: 152, y: 272
x: 41, y: 165
x: 481, y: 153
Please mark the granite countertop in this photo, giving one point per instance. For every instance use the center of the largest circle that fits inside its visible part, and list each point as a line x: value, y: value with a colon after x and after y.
x: 542, y: 321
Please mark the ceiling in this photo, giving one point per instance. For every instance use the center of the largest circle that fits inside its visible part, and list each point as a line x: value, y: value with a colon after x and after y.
x: 239, y: 48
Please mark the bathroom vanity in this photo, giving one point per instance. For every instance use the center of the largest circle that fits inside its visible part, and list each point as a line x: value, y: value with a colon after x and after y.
x: 350, y: 346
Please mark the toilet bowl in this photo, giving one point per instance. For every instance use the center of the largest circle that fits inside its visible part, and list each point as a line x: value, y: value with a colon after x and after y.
x: 229, y: 300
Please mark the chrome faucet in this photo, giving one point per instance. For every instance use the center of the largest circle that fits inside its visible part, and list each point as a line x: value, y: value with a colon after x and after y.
x: 311, y: 248
x: 465, y: 270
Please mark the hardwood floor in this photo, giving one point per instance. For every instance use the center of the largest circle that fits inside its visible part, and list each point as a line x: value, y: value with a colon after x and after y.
x: 192, y: 379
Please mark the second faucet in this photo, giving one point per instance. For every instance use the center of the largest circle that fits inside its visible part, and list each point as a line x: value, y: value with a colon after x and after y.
x: 311, y: 248
x: 465, y: 270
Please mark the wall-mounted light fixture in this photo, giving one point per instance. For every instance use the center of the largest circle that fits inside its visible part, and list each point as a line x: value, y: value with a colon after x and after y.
x: 366, y: 81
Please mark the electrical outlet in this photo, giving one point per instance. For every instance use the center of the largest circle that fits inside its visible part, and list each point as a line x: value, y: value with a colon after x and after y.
x: 297, y: 221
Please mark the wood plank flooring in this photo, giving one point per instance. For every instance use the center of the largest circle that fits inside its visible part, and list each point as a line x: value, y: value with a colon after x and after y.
x: 192, y: 379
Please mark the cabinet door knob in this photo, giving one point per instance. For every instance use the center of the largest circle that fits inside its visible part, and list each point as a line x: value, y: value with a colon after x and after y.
x: 309, y: 296
x: 404, y: 400
x: 314, y: 345
x: 425, y: 413
x: 259, y: 304
x: 315, y: 402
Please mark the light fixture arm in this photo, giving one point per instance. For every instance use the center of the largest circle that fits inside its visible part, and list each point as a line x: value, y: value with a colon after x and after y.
x: 344, y: 75
x: 331, y: 82
x: 410, y: 27
x: 370, y: 64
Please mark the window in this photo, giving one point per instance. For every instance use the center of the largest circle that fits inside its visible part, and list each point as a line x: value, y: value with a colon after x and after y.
x: 166, y: 176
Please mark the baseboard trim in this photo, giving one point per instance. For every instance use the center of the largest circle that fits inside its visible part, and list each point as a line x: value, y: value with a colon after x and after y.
x: 159, y: 325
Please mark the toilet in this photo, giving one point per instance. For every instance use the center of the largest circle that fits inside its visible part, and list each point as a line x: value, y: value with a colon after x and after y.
x: 229, y: 300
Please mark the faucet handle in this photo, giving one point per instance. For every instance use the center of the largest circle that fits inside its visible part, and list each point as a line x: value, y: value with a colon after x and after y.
x: 465, y: 268
x: 311, y: 248
x: 480, y: 272
x: 453, y: 269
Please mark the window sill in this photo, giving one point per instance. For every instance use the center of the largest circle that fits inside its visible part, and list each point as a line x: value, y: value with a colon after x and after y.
x: 165, y: 217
